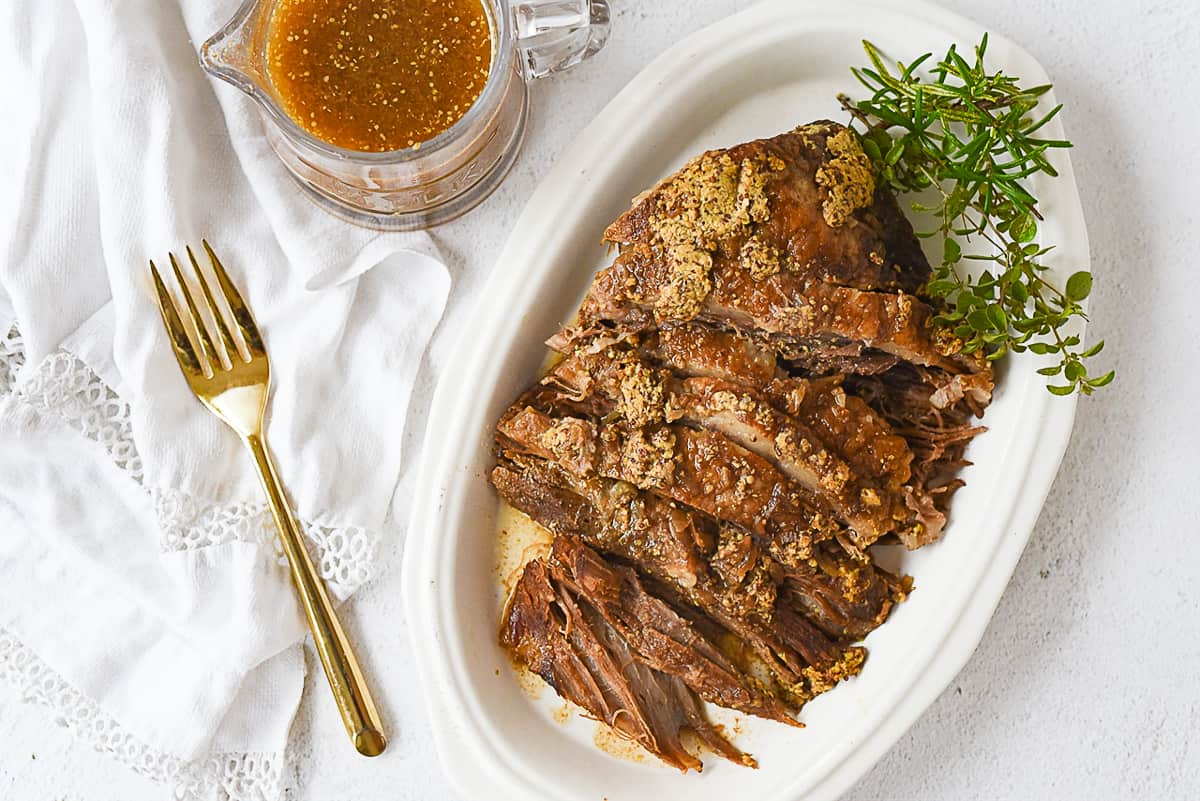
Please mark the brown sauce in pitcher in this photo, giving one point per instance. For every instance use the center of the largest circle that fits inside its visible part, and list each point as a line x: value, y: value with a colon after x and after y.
x: 378, y: 76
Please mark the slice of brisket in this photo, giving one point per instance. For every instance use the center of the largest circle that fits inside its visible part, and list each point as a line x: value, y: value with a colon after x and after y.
x: 814, y: 324
x: 661, y: 638
x: 557, y: 630
x: 695, y: 467
x: 802, y: 200
x: 844, y: 422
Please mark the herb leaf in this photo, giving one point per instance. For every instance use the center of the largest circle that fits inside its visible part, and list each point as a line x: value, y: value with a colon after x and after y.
x: 969, y: 137
x: 1079, y: 286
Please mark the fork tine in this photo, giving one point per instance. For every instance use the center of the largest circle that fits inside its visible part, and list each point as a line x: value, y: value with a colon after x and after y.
x: 207, y: 349
x: 241, y: 313
x: 175, y: 330
x: 231, y: 348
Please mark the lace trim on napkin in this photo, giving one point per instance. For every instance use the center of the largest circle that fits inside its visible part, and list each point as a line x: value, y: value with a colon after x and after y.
x: 63, y: 385
x: 217, y: 777
x: 12, y: 356
x: 344, y: 555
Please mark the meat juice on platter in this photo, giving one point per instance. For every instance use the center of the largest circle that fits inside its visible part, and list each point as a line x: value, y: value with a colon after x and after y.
x: 378, y: 76
x: 753, y: 394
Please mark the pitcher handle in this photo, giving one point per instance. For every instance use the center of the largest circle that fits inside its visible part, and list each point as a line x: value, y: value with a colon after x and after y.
x: 555, y: 35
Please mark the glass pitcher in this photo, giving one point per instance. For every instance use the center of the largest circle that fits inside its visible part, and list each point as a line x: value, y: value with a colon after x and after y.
x: 445, y: 177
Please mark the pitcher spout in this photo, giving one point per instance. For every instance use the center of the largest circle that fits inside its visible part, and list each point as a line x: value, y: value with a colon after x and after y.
x: 235, y: 53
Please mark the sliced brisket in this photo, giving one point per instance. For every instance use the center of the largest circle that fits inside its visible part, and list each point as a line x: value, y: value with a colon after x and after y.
x: 753, y: 393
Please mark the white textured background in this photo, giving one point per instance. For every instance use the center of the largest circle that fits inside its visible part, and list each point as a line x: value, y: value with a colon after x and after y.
x: 1087, y: 683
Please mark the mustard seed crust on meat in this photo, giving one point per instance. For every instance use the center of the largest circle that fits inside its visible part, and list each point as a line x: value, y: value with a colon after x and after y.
x: 708, y: 201
x: 847, y: 178
x: 758, y: 258
x: 642, y: 395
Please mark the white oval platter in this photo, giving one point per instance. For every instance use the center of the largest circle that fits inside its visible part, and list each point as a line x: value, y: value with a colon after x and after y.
x: 755, y: 74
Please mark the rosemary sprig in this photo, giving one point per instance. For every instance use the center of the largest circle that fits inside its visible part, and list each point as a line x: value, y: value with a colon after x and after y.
x: 968, y: 138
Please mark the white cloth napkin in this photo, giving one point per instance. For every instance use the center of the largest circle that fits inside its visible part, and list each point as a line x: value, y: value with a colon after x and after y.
x: 141, y: 594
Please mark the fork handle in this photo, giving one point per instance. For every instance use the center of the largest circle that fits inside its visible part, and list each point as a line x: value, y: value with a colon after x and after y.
x: 341, y: 666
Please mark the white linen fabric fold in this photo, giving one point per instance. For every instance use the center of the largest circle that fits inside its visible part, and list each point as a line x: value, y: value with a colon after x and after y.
x: 142, y: 595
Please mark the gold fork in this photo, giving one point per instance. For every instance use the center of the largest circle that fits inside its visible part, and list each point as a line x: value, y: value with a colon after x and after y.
x: 234, y: 385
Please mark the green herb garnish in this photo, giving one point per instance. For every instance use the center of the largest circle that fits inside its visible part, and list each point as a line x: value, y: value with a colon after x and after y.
x: 968, y: 138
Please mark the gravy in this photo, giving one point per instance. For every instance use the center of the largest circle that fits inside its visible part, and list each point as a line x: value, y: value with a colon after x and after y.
x: 378, y: 76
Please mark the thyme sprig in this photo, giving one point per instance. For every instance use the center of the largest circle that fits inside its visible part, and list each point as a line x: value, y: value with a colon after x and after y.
x: 969, y: 139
